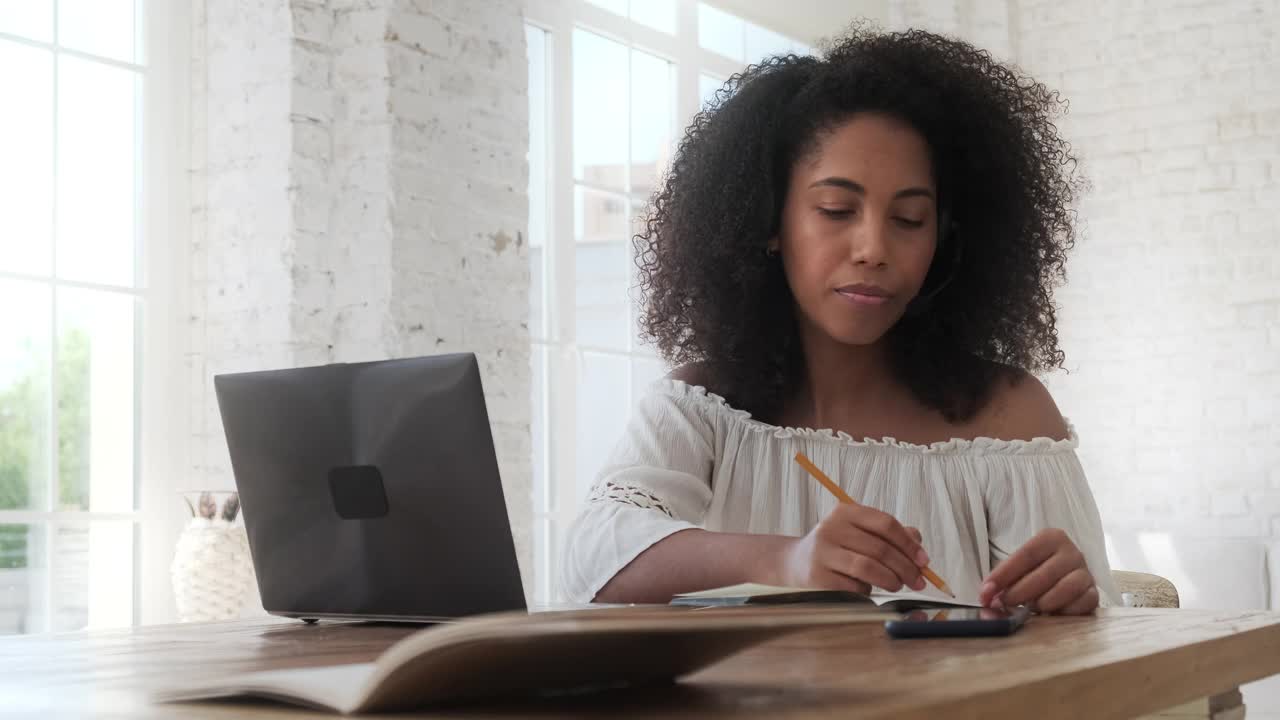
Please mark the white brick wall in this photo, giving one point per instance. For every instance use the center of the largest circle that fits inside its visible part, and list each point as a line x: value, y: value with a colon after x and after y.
x: 359, y: 175
x: 985, y: 23
x: 1171, y: 315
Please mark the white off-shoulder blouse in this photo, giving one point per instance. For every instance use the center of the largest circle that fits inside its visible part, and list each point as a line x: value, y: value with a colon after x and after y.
x: 689, y: 460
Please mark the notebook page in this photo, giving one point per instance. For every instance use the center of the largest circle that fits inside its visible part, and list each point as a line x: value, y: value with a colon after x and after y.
x: 907, y: 596
x: 337, y: 688
x: 743, y: 590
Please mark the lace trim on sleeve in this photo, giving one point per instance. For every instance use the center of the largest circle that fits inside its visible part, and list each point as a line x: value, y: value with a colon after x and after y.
x: 610, y: 491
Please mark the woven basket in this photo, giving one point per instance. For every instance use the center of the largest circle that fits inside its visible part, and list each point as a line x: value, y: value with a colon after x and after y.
x: 212, y: 570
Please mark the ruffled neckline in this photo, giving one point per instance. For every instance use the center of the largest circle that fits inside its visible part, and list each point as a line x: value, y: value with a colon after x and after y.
x: 954, y: 446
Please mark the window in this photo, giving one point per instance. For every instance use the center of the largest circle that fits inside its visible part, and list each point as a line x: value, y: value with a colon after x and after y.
x: 74, y: 300
x: 612, y: 83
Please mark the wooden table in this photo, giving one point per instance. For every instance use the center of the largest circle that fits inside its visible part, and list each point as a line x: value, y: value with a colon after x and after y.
x: 1122, y: 663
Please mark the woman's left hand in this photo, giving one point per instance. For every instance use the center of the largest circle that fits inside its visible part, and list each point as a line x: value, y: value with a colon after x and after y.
x: 1048, y: 574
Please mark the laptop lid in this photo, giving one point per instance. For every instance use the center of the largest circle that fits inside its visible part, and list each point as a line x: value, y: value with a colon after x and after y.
x: 371, y: 489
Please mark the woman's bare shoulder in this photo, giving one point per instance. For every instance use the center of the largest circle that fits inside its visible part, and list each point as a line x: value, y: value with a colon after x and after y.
x: 1020, y: 407
x: 692, y: 374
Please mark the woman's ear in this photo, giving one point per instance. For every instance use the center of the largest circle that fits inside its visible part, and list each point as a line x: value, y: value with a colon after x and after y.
x: 772, y: 247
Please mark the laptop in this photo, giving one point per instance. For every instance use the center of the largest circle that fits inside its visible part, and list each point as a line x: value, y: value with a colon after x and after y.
x: 371, y: 490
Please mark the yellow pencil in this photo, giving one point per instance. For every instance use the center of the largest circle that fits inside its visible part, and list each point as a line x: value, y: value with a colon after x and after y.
x: 843, y: 497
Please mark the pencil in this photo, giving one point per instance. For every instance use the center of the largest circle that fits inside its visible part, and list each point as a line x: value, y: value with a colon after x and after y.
x: 841, y: 495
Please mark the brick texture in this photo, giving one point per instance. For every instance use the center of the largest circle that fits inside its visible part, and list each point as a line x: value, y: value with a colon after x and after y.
x: 358, y: 183
x: 1171, y: 312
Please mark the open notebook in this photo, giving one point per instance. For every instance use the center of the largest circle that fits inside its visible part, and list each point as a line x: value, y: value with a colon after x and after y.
x: 754, y: 594
x: 510, y: 653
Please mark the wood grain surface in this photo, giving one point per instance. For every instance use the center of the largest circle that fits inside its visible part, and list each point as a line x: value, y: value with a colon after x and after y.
x: 1120, y: 664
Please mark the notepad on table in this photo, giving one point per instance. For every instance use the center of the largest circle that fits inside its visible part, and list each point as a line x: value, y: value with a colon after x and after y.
x: 515, y: 653
x: 755, y: 594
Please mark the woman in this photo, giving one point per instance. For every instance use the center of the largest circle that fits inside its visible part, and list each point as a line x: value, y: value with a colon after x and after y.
x: 866, y: 244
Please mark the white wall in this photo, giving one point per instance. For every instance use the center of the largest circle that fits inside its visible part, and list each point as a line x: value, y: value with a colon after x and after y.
x: 359, y: 193
x: 1171, y: 317
x: 805, y: 20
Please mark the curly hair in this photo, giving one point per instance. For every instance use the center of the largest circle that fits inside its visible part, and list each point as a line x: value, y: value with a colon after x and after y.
x: 714, y: 297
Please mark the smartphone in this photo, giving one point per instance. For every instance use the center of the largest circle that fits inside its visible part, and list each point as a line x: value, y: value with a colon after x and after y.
x: 957, y: 622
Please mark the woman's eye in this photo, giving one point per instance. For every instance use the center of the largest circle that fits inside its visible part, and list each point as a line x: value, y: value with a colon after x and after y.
x: 835, y: 212
x: 909, y: 223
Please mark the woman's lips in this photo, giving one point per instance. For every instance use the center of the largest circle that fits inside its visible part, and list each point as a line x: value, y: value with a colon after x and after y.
x: 862, y: 297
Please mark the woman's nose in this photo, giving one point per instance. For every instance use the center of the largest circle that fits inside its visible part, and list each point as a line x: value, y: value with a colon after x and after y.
x: 868, y: 244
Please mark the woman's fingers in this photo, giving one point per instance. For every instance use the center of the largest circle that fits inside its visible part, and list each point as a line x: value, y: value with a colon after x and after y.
x: 1022, y: 562
x: 1083, y: 605
x: 889, y: 529
x: 904, y: 569
x: 1040, y: 580
x: 871, y: 546
x: 1070, y: 588
x: 848, y: 533
x: 839, y: 581
x: 1025, y: 559
x: 861, y: 567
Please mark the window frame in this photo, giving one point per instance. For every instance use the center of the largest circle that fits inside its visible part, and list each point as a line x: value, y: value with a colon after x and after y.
x: 554, y: 501
x: 162, y: 211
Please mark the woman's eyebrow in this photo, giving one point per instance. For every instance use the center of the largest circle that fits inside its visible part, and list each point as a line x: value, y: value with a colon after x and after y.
x: 847, y: 184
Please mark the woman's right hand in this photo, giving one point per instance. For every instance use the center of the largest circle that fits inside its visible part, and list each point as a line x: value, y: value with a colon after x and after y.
x: 853, y: 548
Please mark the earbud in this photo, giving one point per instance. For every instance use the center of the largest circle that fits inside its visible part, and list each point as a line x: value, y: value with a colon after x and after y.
x: 948, y: 242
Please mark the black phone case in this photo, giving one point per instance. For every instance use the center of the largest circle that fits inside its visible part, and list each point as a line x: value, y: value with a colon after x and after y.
x: 957, y: 628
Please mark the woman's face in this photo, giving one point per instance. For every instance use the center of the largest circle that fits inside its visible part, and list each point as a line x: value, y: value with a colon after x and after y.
x: 859, y: 227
